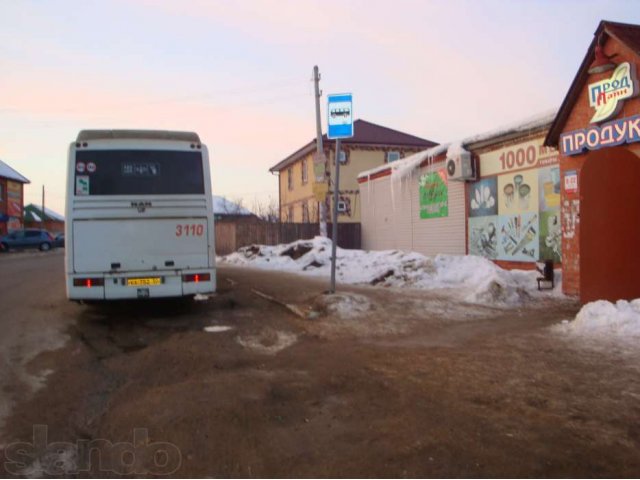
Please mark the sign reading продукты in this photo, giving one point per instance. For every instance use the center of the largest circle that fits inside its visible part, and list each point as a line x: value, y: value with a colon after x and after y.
x: 610, y: 134
x: 340, y: 116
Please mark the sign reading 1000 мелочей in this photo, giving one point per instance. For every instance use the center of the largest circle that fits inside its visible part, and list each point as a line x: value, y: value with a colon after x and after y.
x: 340, y: 116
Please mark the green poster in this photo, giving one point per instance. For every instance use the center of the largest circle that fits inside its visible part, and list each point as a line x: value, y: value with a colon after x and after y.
x: 434, y: 195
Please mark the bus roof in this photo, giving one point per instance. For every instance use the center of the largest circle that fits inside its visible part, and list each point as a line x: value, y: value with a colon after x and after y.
x: 85, y: 135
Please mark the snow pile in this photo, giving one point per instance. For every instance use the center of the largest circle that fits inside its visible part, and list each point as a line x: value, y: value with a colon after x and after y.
x: 606, y: 321
x: 470, y: 278
x: 345, y: 305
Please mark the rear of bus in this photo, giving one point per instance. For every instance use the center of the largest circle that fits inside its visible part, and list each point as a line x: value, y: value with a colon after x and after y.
x: 139, y: 216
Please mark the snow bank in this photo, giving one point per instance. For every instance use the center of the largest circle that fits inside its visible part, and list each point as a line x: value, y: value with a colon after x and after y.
x: 606, y: 321
x: 469, y: 278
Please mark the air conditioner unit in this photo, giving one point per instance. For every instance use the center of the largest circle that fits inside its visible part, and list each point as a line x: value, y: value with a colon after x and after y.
x: 461, y: 167
x: 342, y: 206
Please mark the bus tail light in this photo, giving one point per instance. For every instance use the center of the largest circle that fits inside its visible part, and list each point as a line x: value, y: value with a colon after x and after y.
x: 196, y: 277
x: 88, y: 282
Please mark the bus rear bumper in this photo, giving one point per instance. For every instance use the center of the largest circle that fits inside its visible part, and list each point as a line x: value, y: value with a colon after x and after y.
x: 145, y: 285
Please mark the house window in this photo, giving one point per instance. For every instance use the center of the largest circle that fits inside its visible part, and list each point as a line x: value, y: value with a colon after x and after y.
x: 392, y: 156
x: 304, y: 171
x: 305, y: 212
x: 290, y: 178
x: 290, y: 214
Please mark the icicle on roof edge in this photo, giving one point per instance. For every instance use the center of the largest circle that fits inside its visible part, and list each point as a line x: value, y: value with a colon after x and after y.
x: 403, y: 168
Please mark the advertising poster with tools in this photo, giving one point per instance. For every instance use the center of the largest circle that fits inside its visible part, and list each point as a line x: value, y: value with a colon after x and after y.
x: 514, y: 213
x: 483, y: 218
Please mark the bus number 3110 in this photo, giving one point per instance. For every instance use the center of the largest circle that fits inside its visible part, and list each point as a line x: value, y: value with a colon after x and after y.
x: 189, y: 230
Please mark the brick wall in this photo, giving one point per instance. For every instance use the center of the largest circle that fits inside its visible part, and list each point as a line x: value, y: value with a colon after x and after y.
x: 570, y: 204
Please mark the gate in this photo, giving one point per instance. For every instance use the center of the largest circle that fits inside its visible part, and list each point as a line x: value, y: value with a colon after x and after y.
x: 610, y: 226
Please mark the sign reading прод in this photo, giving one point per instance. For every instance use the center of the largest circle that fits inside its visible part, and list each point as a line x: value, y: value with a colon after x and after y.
x: 607, y: 96
x: 340, y: 116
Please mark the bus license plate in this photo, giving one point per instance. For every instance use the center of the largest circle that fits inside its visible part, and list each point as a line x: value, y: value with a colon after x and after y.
x: 137, y: 282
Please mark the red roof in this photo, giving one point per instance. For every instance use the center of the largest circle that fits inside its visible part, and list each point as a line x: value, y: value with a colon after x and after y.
x: 365, y: 133
x: 626, y: 34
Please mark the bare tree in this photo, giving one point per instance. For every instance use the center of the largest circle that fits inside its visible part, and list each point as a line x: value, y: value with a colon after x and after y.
x: 267, y: 210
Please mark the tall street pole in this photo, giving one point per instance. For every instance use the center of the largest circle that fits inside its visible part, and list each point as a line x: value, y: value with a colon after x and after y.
x: 322, y: 212
x: 336, y: 192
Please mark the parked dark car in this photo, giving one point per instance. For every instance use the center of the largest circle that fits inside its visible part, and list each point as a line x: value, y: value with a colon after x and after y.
x: 28, y: 238
x: 59, y: 240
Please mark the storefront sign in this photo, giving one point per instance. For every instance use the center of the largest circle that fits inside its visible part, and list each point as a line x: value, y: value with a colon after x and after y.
x: 434, y: 195
x: 608, y: 95
x: 14, y: 199
x: 14, y: 190
x: 518, y: 157
x: 617, y: 132
x: 571, y: 181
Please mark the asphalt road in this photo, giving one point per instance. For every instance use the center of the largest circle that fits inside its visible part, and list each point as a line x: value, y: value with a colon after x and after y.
x: 34, y: 317
x: 400, y: 384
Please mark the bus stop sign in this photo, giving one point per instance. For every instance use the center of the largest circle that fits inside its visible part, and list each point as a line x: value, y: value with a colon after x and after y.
x: 340, y: 116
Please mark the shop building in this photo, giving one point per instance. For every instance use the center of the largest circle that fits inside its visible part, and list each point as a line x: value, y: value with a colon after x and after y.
x: 413, y: 205
x: 495, y: 195
x: 11, y: 198
x: 513, y: 208
x: 597, y: 131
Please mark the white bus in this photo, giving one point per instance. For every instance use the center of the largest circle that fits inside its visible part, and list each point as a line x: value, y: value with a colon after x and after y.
x: 139, y: 216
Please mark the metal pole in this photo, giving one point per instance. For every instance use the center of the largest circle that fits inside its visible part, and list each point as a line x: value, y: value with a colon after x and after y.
x: 43, y: 214
x: 322, y: 212
x: 336, y: 191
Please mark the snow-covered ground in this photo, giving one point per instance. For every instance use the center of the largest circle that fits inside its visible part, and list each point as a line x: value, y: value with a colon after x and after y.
x: 469, y: 278
x: 605, y: 322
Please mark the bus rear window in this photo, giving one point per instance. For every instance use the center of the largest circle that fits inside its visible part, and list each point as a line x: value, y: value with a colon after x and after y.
x: 138, y: 172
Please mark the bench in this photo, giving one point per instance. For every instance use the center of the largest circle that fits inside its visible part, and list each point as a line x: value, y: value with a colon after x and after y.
x: 547, y: 276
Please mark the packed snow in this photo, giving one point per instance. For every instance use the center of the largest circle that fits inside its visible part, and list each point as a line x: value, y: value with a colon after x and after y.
x: 53, y: 215
x: 8, y: 172
x: 217, y: 328
x: 404, y: 168
x: 470, y: 278
x: 604, y: 321
x: 222, y: 206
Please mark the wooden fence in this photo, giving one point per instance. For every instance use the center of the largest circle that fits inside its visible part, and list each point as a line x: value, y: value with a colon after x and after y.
x: 232, y: 235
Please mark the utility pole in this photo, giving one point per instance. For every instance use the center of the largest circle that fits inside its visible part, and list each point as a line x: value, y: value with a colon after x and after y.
x: 319, y: 150
x: 42, y: 219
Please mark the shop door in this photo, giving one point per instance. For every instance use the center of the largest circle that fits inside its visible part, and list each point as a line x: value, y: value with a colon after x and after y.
x: 610, y: 226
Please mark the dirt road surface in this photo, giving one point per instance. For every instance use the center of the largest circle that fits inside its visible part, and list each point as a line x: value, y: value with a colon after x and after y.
x: 399, y: 384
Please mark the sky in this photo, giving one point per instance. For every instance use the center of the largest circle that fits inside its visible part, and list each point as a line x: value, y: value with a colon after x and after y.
x: 239, y: 73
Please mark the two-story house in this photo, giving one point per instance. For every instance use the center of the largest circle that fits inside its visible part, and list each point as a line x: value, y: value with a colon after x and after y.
x: 372, y: 145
